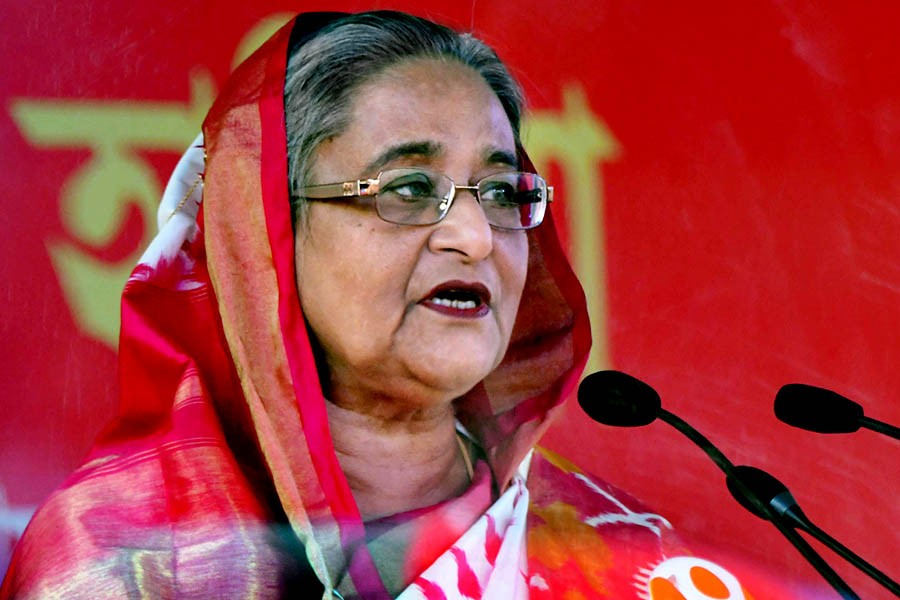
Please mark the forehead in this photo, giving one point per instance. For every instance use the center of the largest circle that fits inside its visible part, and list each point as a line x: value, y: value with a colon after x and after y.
x: 444, y: 106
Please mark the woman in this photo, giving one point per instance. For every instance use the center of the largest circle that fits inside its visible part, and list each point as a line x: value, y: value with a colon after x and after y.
x: 378, y: 442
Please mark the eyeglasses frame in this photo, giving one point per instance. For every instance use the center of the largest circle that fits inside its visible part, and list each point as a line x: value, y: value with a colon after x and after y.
x: 369, y: 187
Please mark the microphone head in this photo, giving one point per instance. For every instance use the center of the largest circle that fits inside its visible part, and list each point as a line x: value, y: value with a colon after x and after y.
x: 817, y: 409
x: 614, y: 398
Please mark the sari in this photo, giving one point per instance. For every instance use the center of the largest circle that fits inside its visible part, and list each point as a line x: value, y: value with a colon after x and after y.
x: 218, y: 478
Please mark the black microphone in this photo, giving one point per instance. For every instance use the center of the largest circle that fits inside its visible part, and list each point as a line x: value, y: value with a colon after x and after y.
x: 617, y: 399
x: 620, y: 400
x: 779, y: 499
x: 823, y: 411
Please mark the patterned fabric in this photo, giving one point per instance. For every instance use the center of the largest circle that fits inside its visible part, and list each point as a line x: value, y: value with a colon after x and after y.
x: 488, y: 560
x: 588, y: 538
x: 554, y: 532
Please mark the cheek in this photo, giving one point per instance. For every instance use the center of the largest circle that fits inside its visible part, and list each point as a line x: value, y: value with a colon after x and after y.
x: 311, y: 288
x: 331, y: 258
x: 351, y: 289
x: 321, y: 279
x: 513, y: 269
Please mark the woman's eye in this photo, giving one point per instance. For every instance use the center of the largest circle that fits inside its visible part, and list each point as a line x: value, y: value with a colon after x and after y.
x: 499, y: 193
x: 410, y: 186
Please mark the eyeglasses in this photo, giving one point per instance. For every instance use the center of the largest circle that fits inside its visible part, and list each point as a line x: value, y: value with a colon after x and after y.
x: 420, y: 197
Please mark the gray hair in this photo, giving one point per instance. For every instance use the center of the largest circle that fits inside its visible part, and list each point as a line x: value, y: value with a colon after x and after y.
x: 323, y: 73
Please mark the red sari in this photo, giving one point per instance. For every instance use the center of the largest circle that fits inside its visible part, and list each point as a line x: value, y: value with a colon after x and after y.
x: 218, y: 477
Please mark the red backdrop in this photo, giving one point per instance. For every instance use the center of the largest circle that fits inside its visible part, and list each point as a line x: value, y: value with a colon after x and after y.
x: 728, y: 176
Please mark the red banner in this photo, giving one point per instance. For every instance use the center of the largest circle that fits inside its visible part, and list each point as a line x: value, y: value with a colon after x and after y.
x: 727, y: 177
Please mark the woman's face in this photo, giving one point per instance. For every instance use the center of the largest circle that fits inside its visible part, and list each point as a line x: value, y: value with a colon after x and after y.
x: 379, y: 296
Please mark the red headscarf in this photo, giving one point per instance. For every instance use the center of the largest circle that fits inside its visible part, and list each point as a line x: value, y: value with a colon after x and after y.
x: 222, y: 432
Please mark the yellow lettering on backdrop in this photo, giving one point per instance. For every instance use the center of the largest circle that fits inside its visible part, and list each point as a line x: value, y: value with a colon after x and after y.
x: 95, y: 198
x: 579, y: 142
x: 258, y: 34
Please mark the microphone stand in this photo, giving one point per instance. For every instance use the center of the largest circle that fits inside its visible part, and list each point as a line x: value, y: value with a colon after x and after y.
x: 796, y: 516
x: 727, y: 467
x: 880, y: 426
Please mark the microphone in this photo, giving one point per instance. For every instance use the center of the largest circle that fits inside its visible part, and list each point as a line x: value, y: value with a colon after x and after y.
x: 779, y: 499
x: 620, y: 400
x: 823, y: 411
x: 617, y: 399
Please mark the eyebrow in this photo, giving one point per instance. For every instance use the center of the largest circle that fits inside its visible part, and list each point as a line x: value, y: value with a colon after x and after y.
x: 427, y: 149
x: 502, y: 157
x: 423, y: 149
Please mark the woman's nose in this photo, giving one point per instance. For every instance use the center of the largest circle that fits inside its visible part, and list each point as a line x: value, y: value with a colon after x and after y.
x: 465, y: 229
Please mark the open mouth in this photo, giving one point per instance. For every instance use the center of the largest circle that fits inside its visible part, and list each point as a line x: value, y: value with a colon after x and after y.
x: 461, y: 299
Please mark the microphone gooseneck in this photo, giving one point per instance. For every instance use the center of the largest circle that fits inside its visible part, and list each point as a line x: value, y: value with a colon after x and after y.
x: 617, y: 399
x: 620, y: 400
x: 823, y: 411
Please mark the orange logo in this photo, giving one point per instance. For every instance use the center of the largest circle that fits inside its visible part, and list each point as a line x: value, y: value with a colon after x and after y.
x: 689, y: 578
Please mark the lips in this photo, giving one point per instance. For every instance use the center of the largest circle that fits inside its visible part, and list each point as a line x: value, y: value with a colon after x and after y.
x: 459, y: 299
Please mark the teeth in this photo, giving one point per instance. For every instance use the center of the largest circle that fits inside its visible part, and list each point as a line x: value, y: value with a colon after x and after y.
x: 459, y: 304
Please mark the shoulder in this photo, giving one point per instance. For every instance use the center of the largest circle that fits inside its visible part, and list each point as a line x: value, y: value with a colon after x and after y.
x: 73, y: 530
x: 152, y: 517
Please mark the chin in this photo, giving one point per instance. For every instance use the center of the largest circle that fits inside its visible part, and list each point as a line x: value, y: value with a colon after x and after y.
x: 450, y: 360
x: 453, y: 377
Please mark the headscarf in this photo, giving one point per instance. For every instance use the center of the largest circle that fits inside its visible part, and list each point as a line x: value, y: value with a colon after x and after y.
x: 220, y: 455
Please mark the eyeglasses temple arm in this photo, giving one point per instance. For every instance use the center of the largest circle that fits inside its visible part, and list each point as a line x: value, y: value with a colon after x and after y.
x: 346, y: 189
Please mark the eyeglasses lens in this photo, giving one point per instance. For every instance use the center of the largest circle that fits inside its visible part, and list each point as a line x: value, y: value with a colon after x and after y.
x: 418, y: 197
x: 513, y: 200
